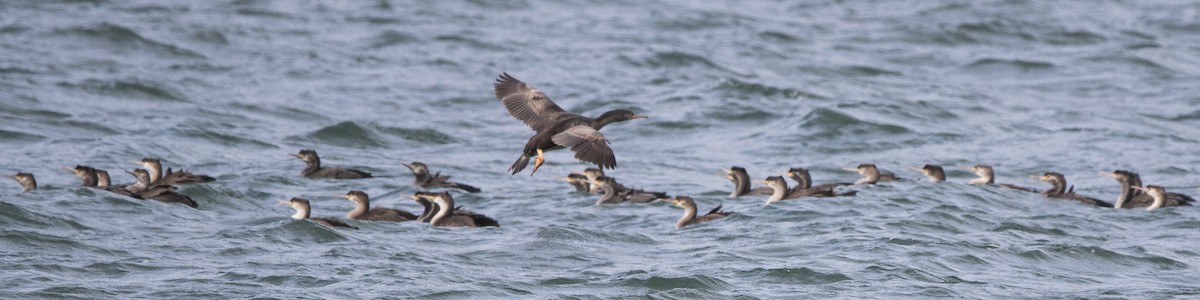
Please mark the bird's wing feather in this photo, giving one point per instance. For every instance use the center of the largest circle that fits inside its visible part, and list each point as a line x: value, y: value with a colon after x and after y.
x: 589, y: 145
x: 527, y: 103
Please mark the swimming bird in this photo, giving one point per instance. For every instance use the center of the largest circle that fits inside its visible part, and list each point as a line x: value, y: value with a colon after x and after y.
x: 170, y: 177
x: 935, y: 173
x: 689, y: 212
x: 105, y: 183
x: 102, y: 179
x: 872, y: 175
x: 432, y: 209
x: 364, y: 211
x: 741, y: 183
x: 446, y: 216
x: 90, y: 178
x: 162, y: 193
x: 804, y: 183
x: 86, y: 174
x: 988, y: 176
x: 303, y: 209
x: 1159, y: 194
x: 1059, y: 190
x: 612, y: 195
x: 579, y: 181
x: 556, y: 128
x: 1130, y: 197
x: 781, y: 191
x: 313, y: 169
x: 592, y: 174
x: 422, y: 178
x: 28, y: 183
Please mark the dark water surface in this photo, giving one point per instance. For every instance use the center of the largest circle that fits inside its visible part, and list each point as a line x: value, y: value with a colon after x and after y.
x: 229, y: 88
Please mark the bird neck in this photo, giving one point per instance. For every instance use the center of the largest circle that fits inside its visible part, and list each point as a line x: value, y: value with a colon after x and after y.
x: 28, y: 185
x: 311, y: 166
x: 1126, y: 194
x: 984, y: 179
x: 741, y: 183
x: 88, y: 178
x: 156, y: 173
x: 689, y: 214
x: 936, y: 176
x: 103, y: 180
x: 445, y: 208
x: 593, y: 184
x: 803, y: 181
x: 427, y: 213
x: 1159, y: 200
x: 607, y: 118
x: 360, y: 209
x: 868, y: 178
x: 422, y: 176
x: 1058, y: 187
x: 780, y: 190
x: 610, y: 195
x: 301, y: 213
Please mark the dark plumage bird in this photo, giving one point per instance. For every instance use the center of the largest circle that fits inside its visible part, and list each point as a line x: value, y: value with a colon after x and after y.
x: 422, y: 178
x: 91, y: 178
x: 1131, y: 197
x: 313, y: 168
x: 613, y: 195
x: 303, y: 210
x: 1059, y: 190
x: 1159, y: 194
x: 872, y: 175
x: 579, y: 182
x: 86, y: 174
x: 741, y: 183
x: 28, y: 183
x: 170, y: 177
x: 556, y: 128
x: 161, y: 193
x: 431, y: 208
x: 364, y: 211
x: 781, y: 191
x: 689, y: 212
x: 988, y: 177
x: 935, y: 173
x: 804, y: 185
x: 446, y: 215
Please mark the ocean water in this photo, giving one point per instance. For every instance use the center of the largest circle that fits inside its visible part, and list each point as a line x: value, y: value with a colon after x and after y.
x: 229, y: 88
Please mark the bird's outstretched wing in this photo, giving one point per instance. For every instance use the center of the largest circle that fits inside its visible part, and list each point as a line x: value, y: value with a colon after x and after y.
x: 589, y: 145
x: 527, y: 103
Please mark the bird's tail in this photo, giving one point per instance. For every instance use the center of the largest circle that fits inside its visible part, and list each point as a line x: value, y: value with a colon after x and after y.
x: 519, y: 165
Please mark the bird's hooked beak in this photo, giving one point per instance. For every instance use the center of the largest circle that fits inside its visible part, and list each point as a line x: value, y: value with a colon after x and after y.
x: 296, y: 155
x: 1109, y: 174
x: 637, y: 116
x: 346, y: 196
x: 413, y: 196
x: 136, y: 162
x: 968, y: 168
x: 917, y: 169
x: 851, y: 169
x: 131, y: 172
x: 71, y: 169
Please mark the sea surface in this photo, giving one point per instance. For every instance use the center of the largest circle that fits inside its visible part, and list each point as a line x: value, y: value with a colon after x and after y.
x: 230, y: 88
